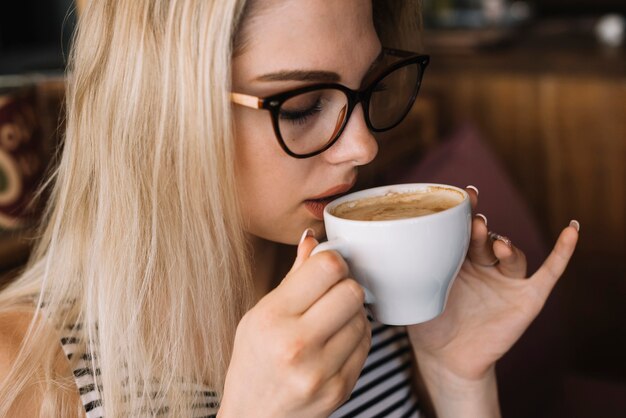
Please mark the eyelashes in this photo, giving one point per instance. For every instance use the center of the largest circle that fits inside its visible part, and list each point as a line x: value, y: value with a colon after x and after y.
x: 301, y: 116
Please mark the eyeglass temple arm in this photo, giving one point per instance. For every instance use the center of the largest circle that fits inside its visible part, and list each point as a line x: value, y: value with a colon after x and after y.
x: 246, y: 100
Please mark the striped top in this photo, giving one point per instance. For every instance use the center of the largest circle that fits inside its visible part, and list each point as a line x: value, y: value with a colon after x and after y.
x: 383, y: 389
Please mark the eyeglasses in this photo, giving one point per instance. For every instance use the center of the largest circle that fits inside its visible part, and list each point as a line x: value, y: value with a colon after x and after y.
x: 309, y: 120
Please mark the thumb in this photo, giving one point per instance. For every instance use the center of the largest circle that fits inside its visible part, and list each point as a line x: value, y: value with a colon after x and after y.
x: 305, y: 247
x: 554, y: 266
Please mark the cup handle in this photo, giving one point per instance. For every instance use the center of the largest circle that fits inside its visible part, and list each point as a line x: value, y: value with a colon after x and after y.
x: 340, y: 246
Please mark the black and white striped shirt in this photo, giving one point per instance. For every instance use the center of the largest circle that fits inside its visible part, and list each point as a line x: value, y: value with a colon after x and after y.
x: 383, y: 389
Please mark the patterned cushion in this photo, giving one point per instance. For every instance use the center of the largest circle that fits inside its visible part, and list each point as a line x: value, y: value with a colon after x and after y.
x: 21, y: 158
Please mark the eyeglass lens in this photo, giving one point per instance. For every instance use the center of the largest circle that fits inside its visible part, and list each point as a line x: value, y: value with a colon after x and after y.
x: 392, y: 97
x: 309, y: 121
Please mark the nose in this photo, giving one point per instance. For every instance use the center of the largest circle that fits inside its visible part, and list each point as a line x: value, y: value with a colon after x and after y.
x: 356, y: 145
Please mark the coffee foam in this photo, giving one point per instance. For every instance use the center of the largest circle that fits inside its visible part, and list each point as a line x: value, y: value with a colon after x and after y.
x: 399, y: 205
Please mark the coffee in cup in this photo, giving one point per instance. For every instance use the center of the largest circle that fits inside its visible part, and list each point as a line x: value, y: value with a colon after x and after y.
x: 394, y: 205
x: 404, y: 244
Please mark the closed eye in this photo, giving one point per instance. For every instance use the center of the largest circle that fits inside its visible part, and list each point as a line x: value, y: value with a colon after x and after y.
x: 301, y: 116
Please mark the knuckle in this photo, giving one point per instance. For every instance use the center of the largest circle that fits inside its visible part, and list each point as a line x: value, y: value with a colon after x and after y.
x: 291, y: 351
x: 332, y: 263
x: 358, y: 325
x: 309, y: 384
x: 353, y: 287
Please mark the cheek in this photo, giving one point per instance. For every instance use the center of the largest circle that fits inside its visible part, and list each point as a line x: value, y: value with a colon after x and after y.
x: 268, y: 180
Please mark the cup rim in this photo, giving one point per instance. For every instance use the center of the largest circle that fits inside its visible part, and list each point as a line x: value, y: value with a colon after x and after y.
x: 405, y: 187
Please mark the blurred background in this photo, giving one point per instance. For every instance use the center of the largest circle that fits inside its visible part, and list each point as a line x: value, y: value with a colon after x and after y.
x: 524, y: 99
x: 543, y: 86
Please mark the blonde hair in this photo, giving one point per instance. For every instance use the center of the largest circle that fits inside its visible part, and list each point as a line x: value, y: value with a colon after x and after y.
x: 143, y: 225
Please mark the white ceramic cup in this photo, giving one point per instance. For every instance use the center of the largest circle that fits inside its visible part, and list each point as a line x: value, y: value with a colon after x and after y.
x: 406, y: 266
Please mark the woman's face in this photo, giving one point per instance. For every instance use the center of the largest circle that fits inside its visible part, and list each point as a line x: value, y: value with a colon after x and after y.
x: 334, y: 39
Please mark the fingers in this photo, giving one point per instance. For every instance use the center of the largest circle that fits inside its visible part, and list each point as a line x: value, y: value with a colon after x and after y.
x: 491, y: 250
x: 339, y: 386
x: 481, y: 250
x: 352, y: 367
x: 331, y: 312
x: 341, y: 346
x: 305, y: 284
x: 512, y: 261
x: 305, y: 247
x: 554, y: 266
x: 472, y: 191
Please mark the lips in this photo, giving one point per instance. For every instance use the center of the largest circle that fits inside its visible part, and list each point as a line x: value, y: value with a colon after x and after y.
x: 316, y: 204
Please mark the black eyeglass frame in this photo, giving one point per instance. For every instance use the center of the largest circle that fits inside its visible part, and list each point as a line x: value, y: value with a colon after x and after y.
x: 274, y: 102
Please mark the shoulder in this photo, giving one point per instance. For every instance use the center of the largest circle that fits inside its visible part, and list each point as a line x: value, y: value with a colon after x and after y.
x: 13, y: 330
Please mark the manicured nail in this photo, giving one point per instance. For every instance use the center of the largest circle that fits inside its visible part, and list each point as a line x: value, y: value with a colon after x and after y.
x: 497, y: 237
x: 307, y: 233
x: 505, y: 240
x: 474, y: 188
x: 575, y: 224
x: 483, y: 217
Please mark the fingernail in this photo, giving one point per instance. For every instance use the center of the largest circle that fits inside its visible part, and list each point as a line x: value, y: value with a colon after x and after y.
x: 307, y: 233
x: 474, y: 188
x: 575, y: 224
x: 505, y: 240
x: 483, y: 217
x: 497, y: 237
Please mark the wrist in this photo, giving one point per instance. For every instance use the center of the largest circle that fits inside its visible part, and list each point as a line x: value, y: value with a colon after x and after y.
x: 455, y: 396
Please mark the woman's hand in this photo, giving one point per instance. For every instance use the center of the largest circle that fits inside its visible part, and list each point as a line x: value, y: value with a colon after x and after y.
x: 490, y: 305
x: 299, y: 351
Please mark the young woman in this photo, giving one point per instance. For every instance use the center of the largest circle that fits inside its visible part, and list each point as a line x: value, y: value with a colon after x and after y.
x: 195, y: 149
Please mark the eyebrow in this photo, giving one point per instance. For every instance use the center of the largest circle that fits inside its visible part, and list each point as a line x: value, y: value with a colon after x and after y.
x: 300, y: 75
x: 311, y: 75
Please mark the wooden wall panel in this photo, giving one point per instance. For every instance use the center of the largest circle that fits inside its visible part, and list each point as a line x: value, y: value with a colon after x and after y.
x: 505, y: 109
x: 563, y: 140
x: 584, y: 125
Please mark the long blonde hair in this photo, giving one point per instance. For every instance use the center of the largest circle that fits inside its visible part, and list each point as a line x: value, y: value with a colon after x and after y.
x: 142, y: 241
